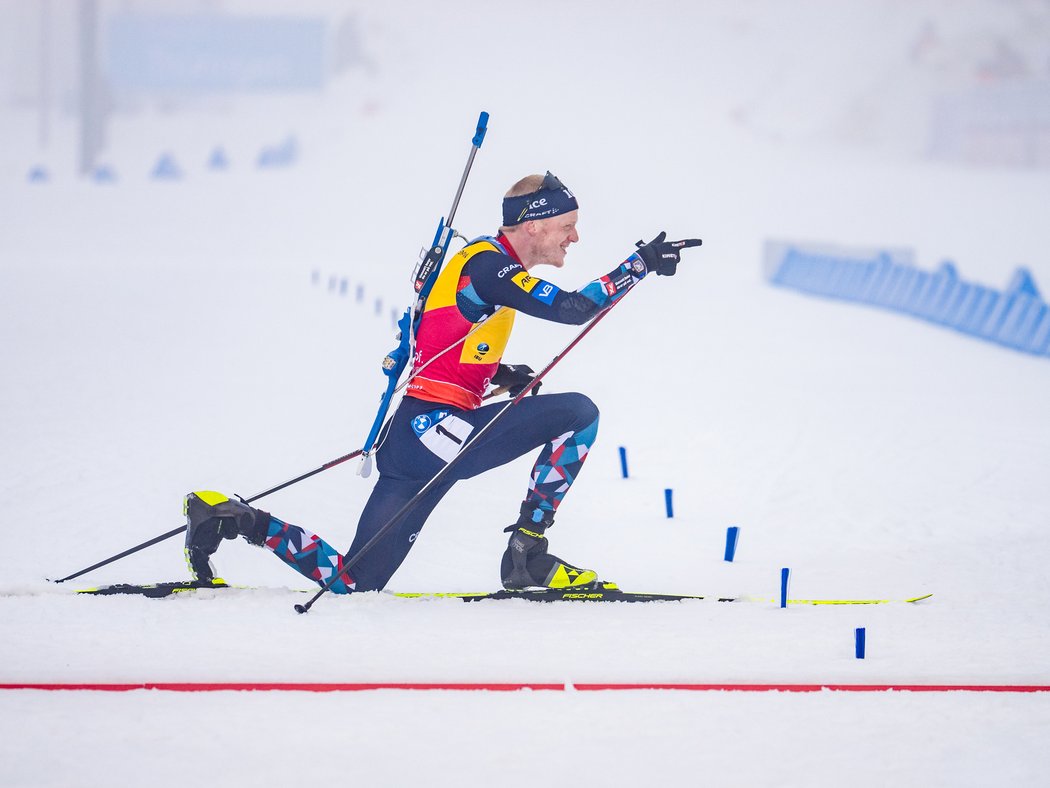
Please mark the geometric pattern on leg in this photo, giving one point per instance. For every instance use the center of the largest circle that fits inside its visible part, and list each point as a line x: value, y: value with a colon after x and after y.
x: 308, y: 554
x: 558, y: 466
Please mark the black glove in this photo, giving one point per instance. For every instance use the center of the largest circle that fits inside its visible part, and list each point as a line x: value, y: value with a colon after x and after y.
x: 514, y: 377
x: 662, y: 257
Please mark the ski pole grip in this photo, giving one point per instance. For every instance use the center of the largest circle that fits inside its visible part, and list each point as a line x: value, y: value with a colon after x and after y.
x: 483, y: 126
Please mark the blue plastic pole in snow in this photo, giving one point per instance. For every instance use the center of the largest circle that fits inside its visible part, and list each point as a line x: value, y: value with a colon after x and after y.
x: 732, y: 533
x: 785, y: 574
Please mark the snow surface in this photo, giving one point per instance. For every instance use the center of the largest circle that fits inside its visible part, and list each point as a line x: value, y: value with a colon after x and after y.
x: 165, y: 337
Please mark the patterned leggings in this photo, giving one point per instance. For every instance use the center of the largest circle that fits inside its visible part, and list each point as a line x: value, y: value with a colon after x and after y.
x: 422, y: 437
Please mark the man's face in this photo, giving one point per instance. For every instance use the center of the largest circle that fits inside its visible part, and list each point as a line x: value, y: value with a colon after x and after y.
x: 553, y: 237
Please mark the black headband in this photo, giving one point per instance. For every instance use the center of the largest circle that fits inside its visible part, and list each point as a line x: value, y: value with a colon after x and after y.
x: 551, y: 199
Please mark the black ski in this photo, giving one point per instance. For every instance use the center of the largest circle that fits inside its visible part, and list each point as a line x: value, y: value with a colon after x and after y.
x: 605, y: 592
x: 154, y: 590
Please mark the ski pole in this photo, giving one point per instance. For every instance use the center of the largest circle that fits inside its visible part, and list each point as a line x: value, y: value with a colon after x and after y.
x: 179, y: 530
x: 256, y: 497
x: 434, y: 480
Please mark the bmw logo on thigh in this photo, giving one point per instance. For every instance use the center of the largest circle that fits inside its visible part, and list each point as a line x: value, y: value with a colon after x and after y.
x: 421, y: 423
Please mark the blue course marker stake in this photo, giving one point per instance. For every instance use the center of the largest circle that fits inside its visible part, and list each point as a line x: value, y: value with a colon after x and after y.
x: 732, y: 532
x: 785, y: 573
x: 623, y: 461
x: 859, y: 642
x: 668, y: 503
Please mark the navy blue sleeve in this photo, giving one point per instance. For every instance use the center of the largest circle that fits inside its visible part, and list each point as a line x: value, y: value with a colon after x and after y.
x: 497, y: 280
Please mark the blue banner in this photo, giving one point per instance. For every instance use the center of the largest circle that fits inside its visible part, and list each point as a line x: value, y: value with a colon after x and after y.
x: 199, y: 53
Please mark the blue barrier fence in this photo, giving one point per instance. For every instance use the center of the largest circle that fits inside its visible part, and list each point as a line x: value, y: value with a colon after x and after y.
x: 1016, y: 317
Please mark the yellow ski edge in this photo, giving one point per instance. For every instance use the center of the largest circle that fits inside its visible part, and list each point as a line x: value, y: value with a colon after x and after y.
x: 771, y: 600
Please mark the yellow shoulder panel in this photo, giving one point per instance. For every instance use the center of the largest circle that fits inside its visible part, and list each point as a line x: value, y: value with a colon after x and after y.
x: 444, y: 292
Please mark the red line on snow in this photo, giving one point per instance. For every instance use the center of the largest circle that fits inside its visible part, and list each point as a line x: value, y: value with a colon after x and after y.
x: 502, y: 687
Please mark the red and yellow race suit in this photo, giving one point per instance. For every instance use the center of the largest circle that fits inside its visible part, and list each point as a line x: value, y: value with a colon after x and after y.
x: 470, y: 311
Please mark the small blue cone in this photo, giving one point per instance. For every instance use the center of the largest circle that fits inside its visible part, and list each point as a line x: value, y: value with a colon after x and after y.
x: 166, y: 169
x: 280, y: 155
x: 38, y: 175
x: 104, y: 174
x: 218, y: 160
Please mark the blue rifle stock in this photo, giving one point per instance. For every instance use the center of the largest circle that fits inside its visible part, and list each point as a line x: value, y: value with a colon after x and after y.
x: 424, y: 276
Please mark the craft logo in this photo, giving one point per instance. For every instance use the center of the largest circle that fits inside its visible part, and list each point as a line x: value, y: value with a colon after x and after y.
x: 506, y: 270
x: 532, y: 210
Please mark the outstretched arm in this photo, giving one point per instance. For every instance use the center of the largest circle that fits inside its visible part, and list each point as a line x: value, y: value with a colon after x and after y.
x: 494, y: 281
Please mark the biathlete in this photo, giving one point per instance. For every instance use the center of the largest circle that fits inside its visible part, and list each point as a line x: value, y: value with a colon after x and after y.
x: 462, y: 334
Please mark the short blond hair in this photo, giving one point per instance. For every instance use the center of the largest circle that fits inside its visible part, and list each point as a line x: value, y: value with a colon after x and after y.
x: 527, y: 185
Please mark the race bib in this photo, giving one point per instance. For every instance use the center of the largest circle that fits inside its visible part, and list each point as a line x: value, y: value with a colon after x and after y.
x: 441, y: 433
